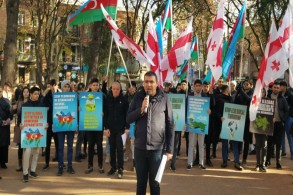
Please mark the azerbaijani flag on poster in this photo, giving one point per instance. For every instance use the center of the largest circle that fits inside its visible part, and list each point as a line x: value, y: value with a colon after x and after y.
x: 91, y: 11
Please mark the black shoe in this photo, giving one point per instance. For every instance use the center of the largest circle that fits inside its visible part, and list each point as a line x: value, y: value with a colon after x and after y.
x: 195, y: 163
x: 70, y: 170
x: 111, y: 172
x: 268, y: 163
x: 25, y: 178
x: 209, y: 163
x: 77, y: 159
x: 278, y: 166
x: 3, y: 166
x: 253, y: 152
x: 46, y: 167
x: 173, y: 168
x: 224, y: 165
x: 55, y: 159
x: 202, y: 167
x: 263, y: 169
x: 120, y: 173
x: 188, y: 168
x: 101, y: 170
x: 257, y: 168
x: 33, y: 175
x: 89, y: 170
x: 178, y: 154
x: 238, y: 167
x: 60, y: 171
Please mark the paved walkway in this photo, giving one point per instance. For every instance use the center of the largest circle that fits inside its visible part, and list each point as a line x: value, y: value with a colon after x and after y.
x: 211, y: 181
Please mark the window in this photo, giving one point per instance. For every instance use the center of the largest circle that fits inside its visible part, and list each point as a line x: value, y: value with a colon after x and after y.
x: 21, y: 18
x: 20, y: 45
x: 34, y: 19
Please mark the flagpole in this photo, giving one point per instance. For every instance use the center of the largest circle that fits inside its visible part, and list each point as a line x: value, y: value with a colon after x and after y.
x: 242, y: 46
x: 197, y: 41
x: 124, y: 65
x: 187, y: 76
x: 110, y: 53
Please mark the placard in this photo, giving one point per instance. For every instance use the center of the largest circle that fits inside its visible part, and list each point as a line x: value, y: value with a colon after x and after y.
x: 91, y: 111
x: 197, y: 114
x: 34, y: 120
x: 178, y: 107
x: 64, y: 111
x: 234, y: 122
x: 263, y: 123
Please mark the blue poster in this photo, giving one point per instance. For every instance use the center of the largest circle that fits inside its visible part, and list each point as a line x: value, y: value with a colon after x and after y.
x: 234, y: 121
x: 197, y: 114
x: 64, y: 111
x: 91, y: 111
x: 178, y: 107
x: 131, y: 130
x: 34, y: 120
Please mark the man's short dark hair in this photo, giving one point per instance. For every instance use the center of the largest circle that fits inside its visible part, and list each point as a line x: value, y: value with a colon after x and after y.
x: 197, y: 81
x: 133, y: 83
x: 224, y: 87
x: 94, y: 80
x: 183, y: 81
x: 206, y: 83
x: 276, y: 83
x: 151, y: 74
x: 33, y: 89
x: 283, y: 83
x: 53, y: 82
x: 248, y: 81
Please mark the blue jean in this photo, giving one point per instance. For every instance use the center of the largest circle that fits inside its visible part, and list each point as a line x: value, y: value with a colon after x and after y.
x: 225, y: 148
x: 61, y: 140
x: 147, y: 163
x: 287, y: 129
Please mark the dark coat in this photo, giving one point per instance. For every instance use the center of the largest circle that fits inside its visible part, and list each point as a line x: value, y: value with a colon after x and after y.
x: 115, y: 114
x: 48, y: 102
x: 5, y: 113
x: 289, y: 97
x: 283, y: 107
x: 156, y: 127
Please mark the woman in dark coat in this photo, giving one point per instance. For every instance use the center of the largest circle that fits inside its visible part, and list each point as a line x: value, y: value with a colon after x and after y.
x: 5, y: 117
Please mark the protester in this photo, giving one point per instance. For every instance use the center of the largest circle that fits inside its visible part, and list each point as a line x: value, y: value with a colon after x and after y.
x: 289, y: 122
x: 28, y: 152
x: 48, y: 102
x: 23, y: 98
x: 7, y: 91
x: 243, y: 97
x: 65, y: 87
x: 95, y: 137
x: 280, y: 116
x: 116, y: 108
x: 196, y: 138
x: 154, y: 130
x: 261, y: 147
x: 5, y: 118
x: 81, y: 134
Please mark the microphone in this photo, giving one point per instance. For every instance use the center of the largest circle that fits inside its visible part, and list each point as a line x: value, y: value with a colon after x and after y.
x: 147, y: 96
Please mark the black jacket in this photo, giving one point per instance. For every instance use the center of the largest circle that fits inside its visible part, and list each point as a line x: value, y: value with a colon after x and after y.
x: 244, y: 98
x: 48, y: 102
x: 283, y: 107
x: 289, y: 97
x: 156, y: 127
x: 115, y: 113
x: 219, y: 107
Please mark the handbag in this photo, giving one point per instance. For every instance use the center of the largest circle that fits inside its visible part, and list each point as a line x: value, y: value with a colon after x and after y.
x: 17, y: 134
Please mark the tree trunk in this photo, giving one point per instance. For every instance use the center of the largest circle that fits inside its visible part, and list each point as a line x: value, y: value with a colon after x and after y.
x: 10, y: 65
x: 95, y: 47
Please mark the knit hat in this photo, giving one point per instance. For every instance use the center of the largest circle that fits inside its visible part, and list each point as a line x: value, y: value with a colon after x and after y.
x: 64, y: 82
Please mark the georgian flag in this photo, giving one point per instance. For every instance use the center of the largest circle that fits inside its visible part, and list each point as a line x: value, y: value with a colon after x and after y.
x: 286, y: 37
x: 122, y: 40
x: 180, y: 51
x: 214, y: 43
x: 274, y: 64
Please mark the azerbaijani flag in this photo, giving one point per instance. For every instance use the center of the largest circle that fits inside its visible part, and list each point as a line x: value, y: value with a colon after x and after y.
x: 236, y: 34
x: 91, y: 11
x: 195, y: 51
x: 167, y: 16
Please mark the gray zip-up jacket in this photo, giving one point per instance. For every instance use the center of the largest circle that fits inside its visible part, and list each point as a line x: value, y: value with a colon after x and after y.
x: 154, y: 129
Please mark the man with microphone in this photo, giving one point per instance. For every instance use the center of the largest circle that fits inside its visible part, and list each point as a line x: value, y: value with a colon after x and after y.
x: 152, y: 113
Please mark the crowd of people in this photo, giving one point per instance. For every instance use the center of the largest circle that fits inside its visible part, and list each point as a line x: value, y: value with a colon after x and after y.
x: 149, y: 110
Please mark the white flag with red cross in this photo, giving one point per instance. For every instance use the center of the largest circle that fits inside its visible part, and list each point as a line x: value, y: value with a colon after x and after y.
x: 214, y: 43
